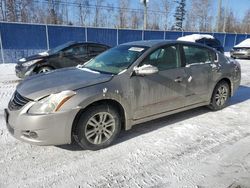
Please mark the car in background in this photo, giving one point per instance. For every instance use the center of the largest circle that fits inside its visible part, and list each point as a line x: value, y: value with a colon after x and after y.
x: 205, y: 39
x: 66, y: 55
x: 241, y: 50
x: 126, y: 85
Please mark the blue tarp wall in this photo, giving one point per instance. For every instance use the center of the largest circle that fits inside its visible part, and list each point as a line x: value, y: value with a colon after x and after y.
x: 19, y: 40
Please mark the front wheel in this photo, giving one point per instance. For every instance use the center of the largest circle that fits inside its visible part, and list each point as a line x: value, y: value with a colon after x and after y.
x: 44, y: 69
x: 220, y: 96
x: 98, y: 127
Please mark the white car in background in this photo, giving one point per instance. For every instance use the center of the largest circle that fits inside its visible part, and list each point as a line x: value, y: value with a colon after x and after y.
x: 241, y: 50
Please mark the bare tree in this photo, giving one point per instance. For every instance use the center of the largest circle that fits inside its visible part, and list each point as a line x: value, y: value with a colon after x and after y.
x: 135, y: 20
x: 246, y: 22
x: 98, y: 13
x: 123, y: 13
x: 11, y: 11
x: 200, y: 15
x: 54, y: 16
x: 167, y: 7
x: 83, y: 11
x: 3, y: 10
x: 154, y: 18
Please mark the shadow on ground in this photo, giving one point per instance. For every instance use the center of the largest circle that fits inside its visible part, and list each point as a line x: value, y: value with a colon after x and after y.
x: 242, y: 94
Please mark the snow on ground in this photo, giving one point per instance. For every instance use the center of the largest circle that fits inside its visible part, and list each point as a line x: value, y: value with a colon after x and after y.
x: 196, y: 148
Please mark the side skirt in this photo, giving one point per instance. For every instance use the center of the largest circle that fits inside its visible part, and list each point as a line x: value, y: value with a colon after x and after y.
x: 149, y: 118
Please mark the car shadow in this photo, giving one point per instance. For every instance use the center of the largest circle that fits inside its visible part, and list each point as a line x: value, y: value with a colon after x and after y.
x: 242, y: 94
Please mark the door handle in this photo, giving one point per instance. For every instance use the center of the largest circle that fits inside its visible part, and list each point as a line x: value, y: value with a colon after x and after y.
x: 178, y: 79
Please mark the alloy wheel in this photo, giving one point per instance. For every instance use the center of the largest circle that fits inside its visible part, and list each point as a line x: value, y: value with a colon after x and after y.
x: 100, y: 128
x: 221, y: 95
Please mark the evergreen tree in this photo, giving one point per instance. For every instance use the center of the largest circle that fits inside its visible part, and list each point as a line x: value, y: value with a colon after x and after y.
x: 179, y: 15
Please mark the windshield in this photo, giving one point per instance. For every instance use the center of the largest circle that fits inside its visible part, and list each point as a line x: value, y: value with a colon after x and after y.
x: 116, y: 59
x: 59, y: 48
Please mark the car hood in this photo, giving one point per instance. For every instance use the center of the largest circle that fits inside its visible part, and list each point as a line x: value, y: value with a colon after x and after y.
x: 35, y: 87
x: 34, y: 57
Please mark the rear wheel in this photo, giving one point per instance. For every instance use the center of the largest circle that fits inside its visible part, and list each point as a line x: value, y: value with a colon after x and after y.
x: 98, y: 127
x: 220, y: 96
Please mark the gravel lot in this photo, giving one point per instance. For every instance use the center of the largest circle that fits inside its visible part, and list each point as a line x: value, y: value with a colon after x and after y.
x: 196, y: 148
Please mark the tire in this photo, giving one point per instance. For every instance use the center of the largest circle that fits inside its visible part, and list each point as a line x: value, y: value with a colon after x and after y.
x: 44, y: 69
x: 98, y: 127
x: 220, y: 96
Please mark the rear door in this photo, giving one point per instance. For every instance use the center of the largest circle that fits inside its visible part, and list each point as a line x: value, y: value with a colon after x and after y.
x: 199, y: 67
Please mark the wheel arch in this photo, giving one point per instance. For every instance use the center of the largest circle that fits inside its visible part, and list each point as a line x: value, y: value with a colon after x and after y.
x: 112, y: 102
x: 43, y: 64
x: 229, y: 82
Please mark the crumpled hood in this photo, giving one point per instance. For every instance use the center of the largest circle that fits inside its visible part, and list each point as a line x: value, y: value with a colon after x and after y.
x: 59, y: 80
x: 30, y: 58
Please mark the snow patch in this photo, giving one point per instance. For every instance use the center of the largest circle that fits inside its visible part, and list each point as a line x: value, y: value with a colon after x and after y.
x: 194, y: 37
x: 43, y: 53
x: 22, y: 60
x: 87, y: 70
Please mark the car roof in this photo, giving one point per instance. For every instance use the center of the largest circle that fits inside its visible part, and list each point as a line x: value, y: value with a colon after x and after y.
x: 152, y: 43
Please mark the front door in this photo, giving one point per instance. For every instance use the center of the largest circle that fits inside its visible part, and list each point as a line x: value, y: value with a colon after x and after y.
x: 163, y: 91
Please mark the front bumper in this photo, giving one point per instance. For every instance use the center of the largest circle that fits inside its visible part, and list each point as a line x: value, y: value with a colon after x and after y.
x: 48, y: 129
x: 240, y: 55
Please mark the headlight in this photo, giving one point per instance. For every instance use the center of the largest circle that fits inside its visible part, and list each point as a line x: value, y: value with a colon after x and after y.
x: 52, y: 103
x: 29, y: 63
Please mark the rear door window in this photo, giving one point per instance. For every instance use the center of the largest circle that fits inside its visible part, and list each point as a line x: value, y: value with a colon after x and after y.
x: 76, y: 50
x: 197, y: 55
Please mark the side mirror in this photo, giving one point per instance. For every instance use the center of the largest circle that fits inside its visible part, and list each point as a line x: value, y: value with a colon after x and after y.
x: 145, y: 70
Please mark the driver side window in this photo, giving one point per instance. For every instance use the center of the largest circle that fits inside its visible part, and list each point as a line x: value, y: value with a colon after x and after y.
x: 163, y: 58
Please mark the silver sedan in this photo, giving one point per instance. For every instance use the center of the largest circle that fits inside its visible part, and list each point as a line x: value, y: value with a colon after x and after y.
x: 126, y: 85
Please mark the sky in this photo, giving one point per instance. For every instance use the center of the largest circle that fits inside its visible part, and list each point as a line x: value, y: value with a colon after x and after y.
x: 239, y: 7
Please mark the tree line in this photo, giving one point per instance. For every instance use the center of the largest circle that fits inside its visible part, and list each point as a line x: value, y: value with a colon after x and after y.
x: 161, y: 14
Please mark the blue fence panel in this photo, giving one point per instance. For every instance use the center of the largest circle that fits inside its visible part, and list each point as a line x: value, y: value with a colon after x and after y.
x: 20, y: 40
x: 220, y: 37
x: 125, y: 35
x: 240, y: 38
x: 206, y: 33
x: 62, y: 34
x: 153, y: 35
x: 23, y: 36
x: 229, y: 42
x: 105, y: 36
x: 189, y: 33
x: 172, y: 35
